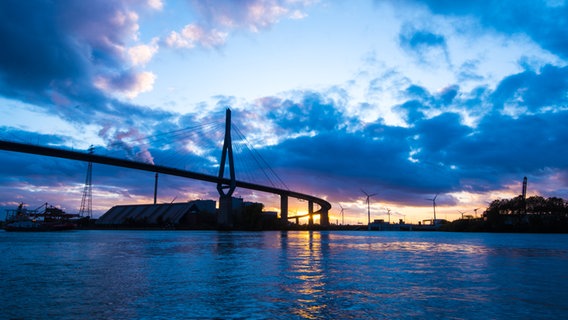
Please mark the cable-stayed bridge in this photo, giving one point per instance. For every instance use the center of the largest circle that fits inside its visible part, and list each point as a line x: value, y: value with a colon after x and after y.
x: 225, y: 185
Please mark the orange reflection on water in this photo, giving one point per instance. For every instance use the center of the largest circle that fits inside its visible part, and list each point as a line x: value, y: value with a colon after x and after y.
x: 307, y: 274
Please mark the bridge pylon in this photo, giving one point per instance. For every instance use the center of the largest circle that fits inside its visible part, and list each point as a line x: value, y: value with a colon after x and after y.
x: 225, y: 189
x: 284, y: 208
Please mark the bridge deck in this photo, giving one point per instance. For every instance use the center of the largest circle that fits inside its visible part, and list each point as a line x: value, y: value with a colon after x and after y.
x: 89, y: 157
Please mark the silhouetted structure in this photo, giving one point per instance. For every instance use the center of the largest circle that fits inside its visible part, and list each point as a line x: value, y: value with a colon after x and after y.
x: 222, y: 182
x: 86, y: 209
x: 197, y: 213
x: 535, y: 214
x: 368, y: 196
x: 224, y: 218
x: 524, y: 195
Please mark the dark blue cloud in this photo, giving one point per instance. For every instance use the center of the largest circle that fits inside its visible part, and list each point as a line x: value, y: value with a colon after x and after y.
x: 411, y: 111
x: 312, y: 112
x: 548, y: 87
x: 53, y: 52
x: 529, y: 143
x: 418, y: 92
x: 421, y: 39
x: 377, y: 159
x: 448, y: 94
x: 544, y: 23
x: 425, y: 45
x: 437, y: 135
x: 420, y: 100
x: 35, y: 51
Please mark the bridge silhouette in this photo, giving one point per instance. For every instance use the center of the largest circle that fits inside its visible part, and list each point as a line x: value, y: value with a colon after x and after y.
x: 222, y: 183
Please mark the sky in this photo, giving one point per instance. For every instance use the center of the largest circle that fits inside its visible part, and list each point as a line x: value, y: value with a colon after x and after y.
x: 402, y: 99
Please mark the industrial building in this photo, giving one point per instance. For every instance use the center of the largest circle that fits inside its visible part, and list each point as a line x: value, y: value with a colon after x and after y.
x: 197, y: 212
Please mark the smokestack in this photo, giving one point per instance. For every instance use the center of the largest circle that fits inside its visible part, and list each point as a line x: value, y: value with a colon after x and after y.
x: 525, y: 195
x: 525, y: 188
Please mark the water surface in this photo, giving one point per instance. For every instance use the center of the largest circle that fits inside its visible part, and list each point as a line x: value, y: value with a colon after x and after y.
x: 282, y: 275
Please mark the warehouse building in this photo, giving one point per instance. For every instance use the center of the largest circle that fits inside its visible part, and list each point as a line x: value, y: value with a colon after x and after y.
x: 185, y: 214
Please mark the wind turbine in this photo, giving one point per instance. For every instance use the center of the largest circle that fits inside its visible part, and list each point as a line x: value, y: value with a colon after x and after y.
x: 342, y: 216
x: 389, y: 214
x: 462, y: 212
x: 434, y: 205
x: 368, y: 207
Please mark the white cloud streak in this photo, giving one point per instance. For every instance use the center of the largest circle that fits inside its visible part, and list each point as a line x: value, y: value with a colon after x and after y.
x: 216, y: 22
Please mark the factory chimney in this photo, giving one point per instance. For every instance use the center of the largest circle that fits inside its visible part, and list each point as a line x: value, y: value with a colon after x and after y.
x: 524, y: 195
x: 525, y: 188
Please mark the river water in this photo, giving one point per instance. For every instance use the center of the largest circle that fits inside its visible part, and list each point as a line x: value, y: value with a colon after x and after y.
x: 282, y: 275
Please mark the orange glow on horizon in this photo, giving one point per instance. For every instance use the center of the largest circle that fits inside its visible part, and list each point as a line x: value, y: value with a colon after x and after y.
x: 355, y: 212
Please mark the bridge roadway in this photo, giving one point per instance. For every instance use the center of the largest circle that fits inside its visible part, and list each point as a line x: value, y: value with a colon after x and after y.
x: 81, y: 156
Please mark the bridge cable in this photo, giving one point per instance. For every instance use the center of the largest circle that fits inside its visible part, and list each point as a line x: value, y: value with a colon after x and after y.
x: 259, y: 159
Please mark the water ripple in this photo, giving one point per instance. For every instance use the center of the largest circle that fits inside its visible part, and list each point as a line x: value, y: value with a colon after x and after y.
x: 282, y: 275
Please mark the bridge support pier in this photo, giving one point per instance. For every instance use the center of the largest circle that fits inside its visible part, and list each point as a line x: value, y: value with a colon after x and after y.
x: 284, y: 208
x: 311, y: 213
x: 224, y: 215
x: 156, y: 188
x: 324, y: 217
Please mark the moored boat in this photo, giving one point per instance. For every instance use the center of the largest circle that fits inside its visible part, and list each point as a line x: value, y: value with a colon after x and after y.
x: 44, y: 218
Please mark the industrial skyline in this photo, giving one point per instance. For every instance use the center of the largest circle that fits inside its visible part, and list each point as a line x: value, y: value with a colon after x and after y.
x: 407, y: 99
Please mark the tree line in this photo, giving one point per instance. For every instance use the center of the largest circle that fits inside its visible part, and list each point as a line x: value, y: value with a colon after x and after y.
x: 533, y: 214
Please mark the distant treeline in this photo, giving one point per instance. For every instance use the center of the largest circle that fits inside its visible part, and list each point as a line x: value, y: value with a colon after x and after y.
x: 533, y: 214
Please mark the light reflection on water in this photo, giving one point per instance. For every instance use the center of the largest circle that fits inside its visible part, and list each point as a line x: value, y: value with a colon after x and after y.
x: 282, y: 275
